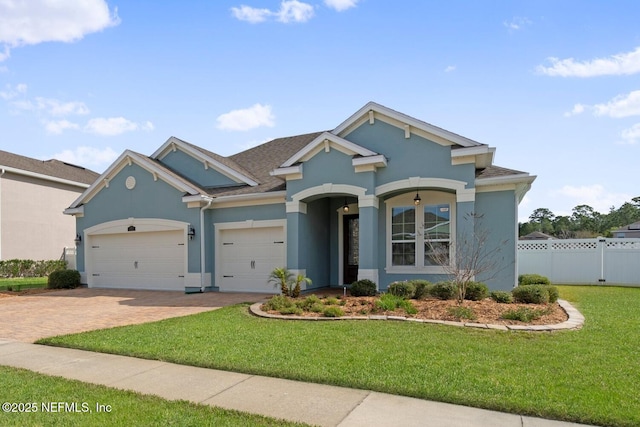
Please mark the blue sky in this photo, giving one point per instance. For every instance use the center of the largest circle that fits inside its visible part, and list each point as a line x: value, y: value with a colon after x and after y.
x: 553, y: 85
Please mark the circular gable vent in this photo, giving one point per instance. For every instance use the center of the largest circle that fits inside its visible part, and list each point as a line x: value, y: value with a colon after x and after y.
x: 130, y: 183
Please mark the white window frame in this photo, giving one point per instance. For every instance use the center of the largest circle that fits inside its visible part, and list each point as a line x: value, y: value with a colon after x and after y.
x: 429, y: 197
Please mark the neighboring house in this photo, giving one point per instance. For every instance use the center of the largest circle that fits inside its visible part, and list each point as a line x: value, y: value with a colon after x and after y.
x: 336, y: 206
x: 33, y: 195
x: 537, y: 235
x: 628, y: 231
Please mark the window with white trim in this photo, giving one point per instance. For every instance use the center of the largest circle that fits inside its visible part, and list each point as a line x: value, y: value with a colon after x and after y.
x: 416, y: 233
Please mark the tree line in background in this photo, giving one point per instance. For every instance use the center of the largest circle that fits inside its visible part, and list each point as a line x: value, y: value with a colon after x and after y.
x: 584, y: 222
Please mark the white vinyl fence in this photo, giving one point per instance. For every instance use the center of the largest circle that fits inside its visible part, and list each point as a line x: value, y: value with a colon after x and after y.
x: 589, y: 261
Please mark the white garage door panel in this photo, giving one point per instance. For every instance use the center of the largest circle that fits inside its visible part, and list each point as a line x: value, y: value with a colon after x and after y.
x: 151, y: 260
x: 248, y: 256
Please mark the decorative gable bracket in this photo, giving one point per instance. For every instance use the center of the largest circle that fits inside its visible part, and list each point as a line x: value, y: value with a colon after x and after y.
x: 369, y: 163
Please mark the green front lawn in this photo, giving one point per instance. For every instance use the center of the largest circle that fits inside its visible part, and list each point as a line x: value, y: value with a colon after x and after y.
x: 591, y: 375
x: 57, y: 401
x: 21, y: 283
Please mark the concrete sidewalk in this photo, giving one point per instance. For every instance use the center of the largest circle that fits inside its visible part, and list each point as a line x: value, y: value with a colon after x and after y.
x: 291, y: 400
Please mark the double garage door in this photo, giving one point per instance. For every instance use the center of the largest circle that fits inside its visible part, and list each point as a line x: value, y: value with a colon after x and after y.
x: 138, y: 260
x: 247, y: 257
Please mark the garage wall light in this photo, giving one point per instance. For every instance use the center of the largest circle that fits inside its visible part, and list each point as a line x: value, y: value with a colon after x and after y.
x: 191, y: 233
x: 78, y: 239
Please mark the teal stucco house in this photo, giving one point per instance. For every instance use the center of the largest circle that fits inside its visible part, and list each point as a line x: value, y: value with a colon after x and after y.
x: 370, y: 199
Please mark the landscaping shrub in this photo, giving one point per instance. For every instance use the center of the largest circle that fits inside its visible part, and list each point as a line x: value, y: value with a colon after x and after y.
x: 502, y: 297
x: 404, y: 289
x: 423, y: 288
x: 278, y: 302
x: 290, y: 310
x: 531, y: 294
x: 64, y: 279
x: 308, y: 302
x: 553, y: 294
x: 476, y: 291
x: 524, y: 314
x: 532, y: 279
x: 29, y: 268
x: 331, y: 301
x: 317, y: 308
x: 333, y: 311
x: 390, y: 302
x: 444, y: 290
x: 462, y: 313
x: 363, y: 288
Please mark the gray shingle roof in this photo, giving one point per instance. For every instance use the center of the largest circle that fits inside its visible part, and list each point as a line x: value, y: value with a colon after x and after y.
x: 54, y: 168
x: 496, y: 171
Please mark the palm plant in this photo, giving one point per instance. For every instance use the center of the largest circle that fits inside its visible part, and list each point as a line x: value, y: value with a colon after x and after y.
x: 281, y: 276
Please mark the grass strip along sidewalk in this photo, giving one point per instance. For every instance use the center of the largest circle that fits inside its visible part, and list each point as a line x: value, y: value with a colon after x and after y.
x: 589, y: 376
x: 39, y: 400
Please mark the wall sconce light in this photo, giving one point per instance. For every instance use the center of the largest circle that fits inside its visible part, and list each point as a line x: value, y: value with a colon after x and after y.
x: 417, y: 199
x: 345, y: 207
x: 191, y: 233
x: 78, y: 239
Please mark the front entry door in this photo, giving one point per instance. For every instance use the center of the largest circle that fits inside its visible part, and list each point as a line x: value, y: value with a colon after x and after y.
x: 350, y: 227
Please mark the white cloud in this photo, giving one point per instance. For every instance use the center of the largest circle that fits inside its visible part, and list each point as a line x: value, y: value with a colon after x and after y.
x: 620, y: 106
x: 36, y: 21
x: 620, y: 64
x: 114, y: 126
x: 577, y: 109
x: 58, y: 108
x: 450, y: 68
x: 631, y: 136
x: 250, y: 14
x: 245, y: 119
x: 59, y: 126
x: 88, y: 156
x: 290, y: 11
x: 13, y: 92
x: 516, y: 23
x: 294, y: 11
x: 593, y: 195
x: 340, y: 5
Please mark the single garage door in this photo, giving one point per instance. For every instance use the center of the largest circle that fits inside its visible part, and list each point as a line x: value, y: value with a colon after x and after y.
x: 138, y: 260
x: 247, y: 257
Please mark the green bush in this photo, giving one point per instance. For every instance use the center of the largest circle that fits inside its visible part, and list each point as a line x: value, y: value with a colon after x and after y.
x: 64, y: 279
x: 404, y: 290
x: 29, y: 268
x: 333, y: 311
x: 462, y: 313
x: 290, y: 310
x: 502, y: 297
x: 317, y: 308
x: 308, y: 302
x: 444, y: 290
x: 363, y: 288
x: 553, y: 294
x: 476, y: 291
x: 531, y: 294
x: 390, y: 302
x: 423, y: 288
x: 278, y: 302
x: 532, y: 279
x: 524, y: 314
x: 331, y: 301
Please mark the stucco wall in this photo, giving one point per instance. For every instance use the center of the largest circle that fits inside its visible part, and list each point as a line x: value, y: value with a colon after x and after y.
x: 32, y: 225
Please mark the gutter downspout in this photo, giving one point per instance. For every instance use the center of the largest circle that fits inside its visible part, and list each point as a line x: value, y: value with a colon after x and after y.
x: 2, y: 171
x: 202, y: 260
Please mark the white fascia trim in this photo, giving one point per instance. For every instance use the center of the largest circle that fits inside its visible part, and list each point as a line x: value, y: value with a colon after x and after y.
x: 523, y: 178
x: 254, y: 199
x: 329, y: 188
x: 126, y: 158
x: 289, y: 173
x: 481, y: 156
x: 79, y: 211
x: 341, y: 143
x: 407, y: 120
x: 414, y: 183
x: 43, y: 177
x: 206, y: 160
x: 141, y: 224
x: 371, y: 163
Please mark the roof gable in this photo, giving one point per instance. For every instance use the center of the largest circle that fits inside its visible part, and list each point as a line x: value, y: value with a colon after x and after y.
x: 222, y: 165
x: 153, y: 167
x: 373, y: 111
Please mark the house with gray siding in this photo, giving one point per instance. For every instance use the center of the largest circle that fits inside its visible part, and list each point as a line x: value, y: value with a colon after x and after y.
x: 371, y: 199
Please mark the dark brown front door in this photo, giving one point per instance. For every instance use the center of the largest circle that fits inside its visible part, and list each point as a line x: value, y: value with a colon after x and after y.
x: 351, y: 236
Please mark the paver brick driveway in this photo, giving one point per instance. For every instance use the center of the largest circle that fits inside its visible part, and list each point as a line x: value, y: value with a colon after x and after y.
x: 28, y: 318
